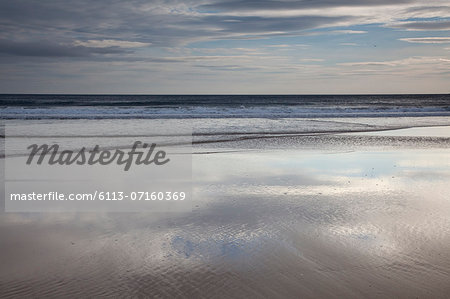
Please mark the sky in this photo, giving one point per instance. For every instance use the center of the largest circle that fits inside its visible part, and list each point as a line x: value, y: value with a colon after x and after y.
x: 225, y: 46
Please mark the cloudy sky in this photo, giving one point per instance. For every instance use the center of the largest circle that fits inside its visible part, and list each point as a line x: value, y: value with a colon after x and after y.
x: 225, y: 46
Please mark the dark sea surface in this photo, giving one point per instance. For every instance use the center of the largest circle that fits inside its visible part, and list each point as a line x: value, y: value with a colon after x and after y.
x: 220, y: 106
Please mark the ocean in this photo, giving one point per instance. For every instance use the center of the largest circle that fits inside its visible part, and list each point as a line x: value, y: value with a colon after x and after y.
x: 220, y: 106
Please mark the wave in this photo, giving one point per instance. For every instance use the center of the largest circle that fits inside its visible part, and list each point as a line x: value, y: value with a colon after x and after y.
x: 108, y: 112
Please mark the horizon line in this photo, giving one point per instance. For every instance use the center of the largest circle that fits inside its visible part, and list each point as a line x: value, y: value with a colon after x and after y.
x: 223, y: 94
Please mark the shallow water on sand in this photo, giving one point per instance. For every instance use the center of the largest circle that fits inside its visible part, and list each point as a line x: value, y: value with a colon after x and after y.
x: 278, y: 218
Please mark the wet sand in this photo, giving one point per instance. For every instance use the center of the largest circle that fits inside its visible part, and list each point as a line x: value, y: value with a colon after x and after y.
x: 336, y: 215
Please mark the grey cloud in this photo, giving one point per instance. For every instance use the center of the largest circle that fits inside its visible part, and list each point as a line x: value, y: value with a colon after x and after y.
x: 25, y: 21
x: 227, y: 67
x: 28, y: 26
x: 261, y: 24
x: 234, y: 5
x: 43, y: 49
x: 428, y: 26
x: 441, y: 10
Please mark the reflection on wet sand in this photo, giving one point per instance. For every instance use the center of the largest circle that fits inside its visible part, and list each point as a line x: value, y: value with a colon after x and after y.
x: 266, y: 223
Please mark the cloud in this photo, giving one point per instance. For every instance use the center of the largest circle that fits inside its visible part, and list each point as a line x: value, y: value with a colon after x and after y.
x: 141, y: 23
x: 348, y: 31
x: 256, y: 26
x: 428, y: 11
x: 107, y: 43
x: 173, y: 23
x: 49, y: 49
x: 227, y: 67
x: 422, y: 25
x: 419, y: 60
x: 286, y: 46
x: 243, y: 5
x: 312, y: 59
x: 427, y: 40
x: 161, y: 42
